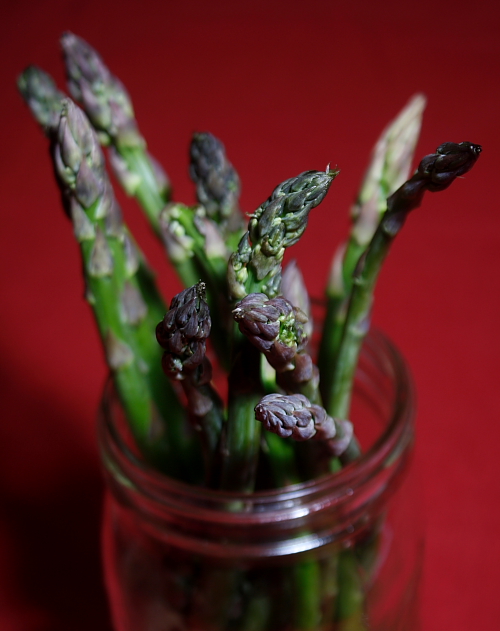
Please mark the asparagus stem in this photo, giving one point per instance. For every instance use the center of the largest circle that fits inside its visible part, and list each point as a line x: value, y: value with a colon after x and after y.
x: 240, y: 443
x: 282, y: 461
x: 435, y: 173
x: 150, y: 194
x: 45, y: 102
x: 389, y: 168
x: 350, y: 614
x: 307, y: 596
x: 212, y: 597
x: 259, y: 608
x: 99, y: 255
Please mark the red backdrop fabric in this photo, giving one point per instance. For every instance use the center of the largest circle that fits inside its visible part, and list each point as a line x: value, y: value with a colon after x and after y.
x: 288, y: 86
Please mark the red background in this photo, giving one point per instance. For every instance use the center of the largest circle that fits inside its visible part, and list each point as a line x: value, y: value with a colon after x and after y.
x: 288, y: 86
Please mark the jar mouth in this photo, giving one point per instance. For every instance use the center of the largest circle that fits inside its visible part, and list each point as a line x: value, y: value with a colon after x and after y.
x: 378, y: 354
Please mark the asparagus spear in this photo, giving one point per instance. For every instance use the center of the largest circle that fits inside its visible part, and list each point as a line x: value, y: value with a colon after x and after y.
x: 45, y: 102
x: 240, y: 440
x: 435, y: 173
x: 217, y: 183
x: 277, y: 224
x: 389, y: 168
x: 111, y: 265
x: 182, y: 334
x: 109, y: 108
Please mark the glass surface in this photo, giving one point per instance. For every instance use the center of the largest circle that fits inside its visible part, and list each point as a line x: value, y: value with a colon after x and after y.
x: 339, y: 553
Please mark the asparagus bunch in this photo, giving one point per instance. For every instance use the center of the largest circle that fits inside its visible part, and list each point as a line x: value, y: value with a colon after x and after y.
x: 198, y: 239
x: 238, y: 304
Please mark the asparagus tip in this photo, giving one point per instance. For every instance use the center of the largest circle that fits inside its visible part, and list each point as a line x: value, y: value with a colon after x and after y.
x: 42, y: 96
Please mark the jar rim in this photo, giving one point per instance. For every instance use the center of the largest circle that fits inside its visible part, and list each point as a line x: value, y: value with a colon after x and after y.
x: 392, y: 441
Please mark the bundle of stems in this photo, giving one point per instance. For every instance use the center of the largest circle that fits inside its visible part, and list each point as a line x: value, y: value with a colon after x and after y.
x: 282, y: 403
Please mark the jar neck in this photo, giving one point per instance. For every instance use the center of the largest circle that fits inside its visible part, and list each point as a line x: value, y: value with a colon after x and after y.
x: 330, y: 509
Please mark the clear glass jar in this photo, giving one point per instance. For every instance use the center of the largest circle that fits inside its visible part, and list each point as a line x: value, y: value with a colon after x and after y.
x: 342, y: 552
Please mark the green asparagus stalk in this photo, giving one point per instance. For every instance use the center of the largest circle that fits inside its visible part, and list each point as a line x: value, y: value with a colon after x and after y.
x: 182, y: 334
x: 389, y: 168
x: 351, y: 600
x: 435, y: 173
x: 277, y: 224
x: 217, y: 184
x: 109, y: 108
x: 240, y: 440
x: 111, y: 266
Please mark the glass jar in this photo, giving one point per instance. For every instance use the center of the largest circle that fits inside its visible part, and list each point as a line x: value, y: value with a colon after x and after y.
x: 341, y: 552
